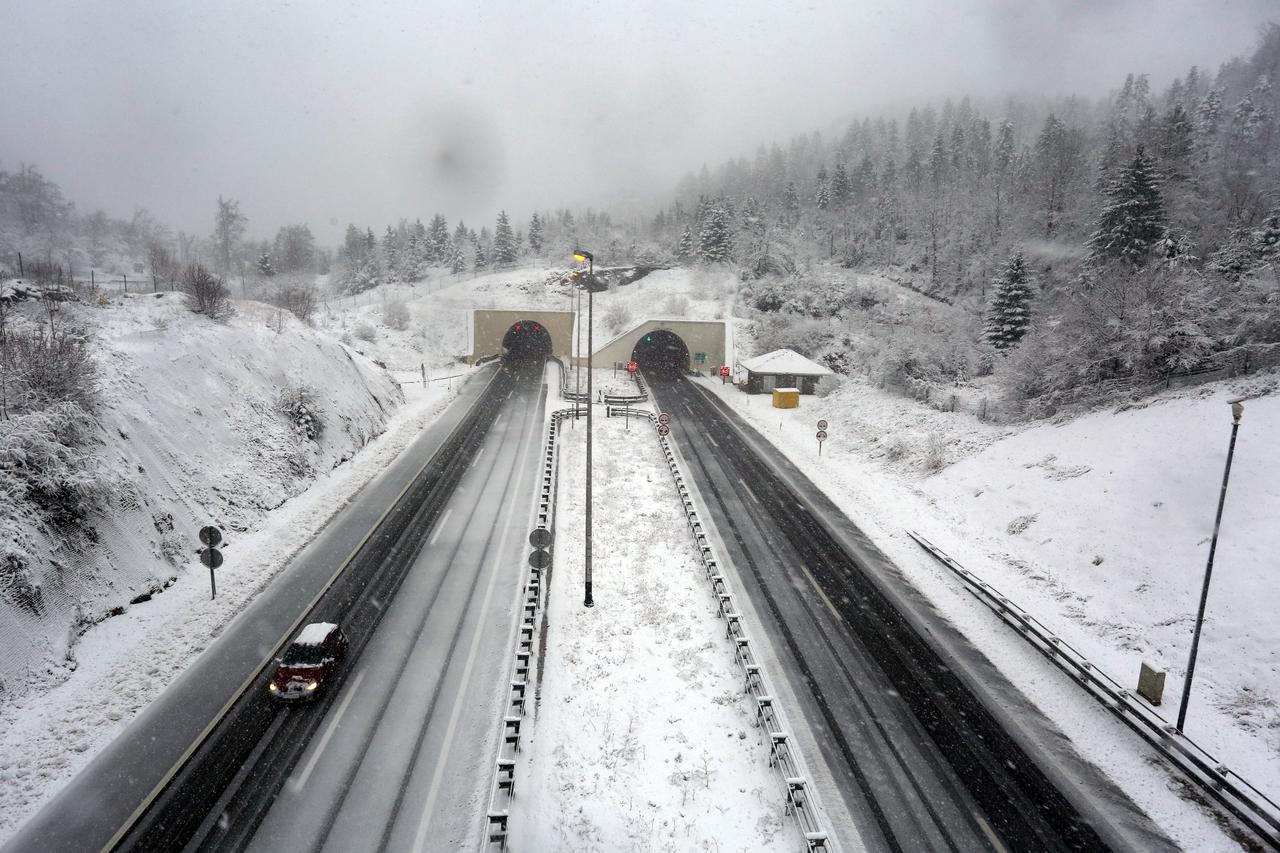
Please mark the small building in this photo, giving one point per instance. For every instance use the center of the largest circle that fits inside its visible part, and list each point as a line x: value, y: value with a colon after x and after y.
x: 782, y: 368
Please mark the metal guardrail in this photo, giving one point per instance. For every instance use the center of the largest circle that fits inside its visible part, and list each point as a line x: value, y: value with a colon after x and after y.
x: 781, y: 757
x: 502, y: 788
x: 1253, y: 808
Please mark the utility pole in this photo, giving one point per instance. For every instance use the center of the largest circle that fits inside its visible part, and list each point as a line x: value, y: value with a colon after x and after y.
x: 1237, y: 410
x: 588, y: 601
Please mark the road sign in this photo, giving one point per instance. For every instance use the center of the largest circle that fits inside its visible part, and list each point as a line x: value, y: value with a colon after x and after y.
x: 540, y: 537
x: 700, y: 357
x: 632, y: 367
x: 724, y: 371
x: 210, y: 535
x: 822, y: 435
x: 822, y: 424
x: 664, y: 430
x: 211, y: 557
x: 539, y: 559
x: 664, y: 418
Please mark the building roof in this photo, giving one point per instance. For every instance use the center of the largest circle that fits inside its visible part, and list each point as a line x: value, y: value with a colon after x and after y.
x: 784, y: 361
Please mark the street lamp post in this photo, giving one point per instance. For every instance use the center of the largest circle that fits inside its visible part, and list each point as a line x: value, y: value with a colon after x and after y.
x: 1237, y: 409
x: 581, y: 255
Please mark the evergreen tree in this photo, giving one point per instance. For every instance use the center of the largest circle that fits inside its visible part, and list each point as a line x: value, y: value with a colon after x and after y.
x: 504, y: 241
x: 481, y: 259
x: 684, y: 250
x: 264, y: 266
x: 791, y: 201
x: 438, y: 248
x: 535, y: 234
x: 841, y: 190
x: 457, y: 261
x: 823, y: 198
x: 390, y: 255
x: 1010, y: 312
x: 714, y: 241
x: 1133, y: 217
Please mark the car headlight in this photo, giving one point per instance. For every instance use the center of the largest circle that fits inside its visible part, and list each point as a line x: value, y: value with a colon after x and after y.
x: 312, y: 685
x: 272, y: 687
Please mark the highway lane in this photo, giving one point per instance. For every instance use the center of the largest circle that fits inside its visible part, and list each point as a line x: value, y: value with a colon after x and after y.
x: 404, y: 755
x: 88, y: 812
x: 917, y: 756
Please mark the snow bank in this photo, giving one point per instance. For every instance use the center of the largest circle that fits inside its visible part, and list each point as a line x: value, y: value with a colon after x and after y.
x: 641, y: 738
x: 1099, y: 527
x: 189, y: 432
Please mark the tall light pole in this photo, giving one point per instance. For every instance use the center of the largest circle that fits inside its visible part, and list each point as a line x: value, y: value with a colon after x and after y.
x: 577, y: 370
x: 1237, y: 409
x: 581, y: 255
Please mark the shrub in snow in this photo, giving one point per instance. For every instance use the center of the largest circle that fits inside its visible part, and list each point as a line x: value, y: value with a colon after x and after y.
x: 617, y: 316
x: 828, y: 385
x: 934, y: 458
x: 298, y: 404
x: 365, y: 332
x: 45, y: 363
x: 297, y: 296
x: 395, y: 313
x: 207, y: 293
x: 676, y: 305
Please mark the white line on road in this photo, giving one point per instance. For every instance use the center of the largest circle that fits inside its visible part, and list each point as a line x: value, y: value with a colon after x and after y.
x: 479, y: 453
x: 420, y: 838
x: 301, y: 781
x: 751, y: 494
x: 440, y: 526
x: 713, y: 441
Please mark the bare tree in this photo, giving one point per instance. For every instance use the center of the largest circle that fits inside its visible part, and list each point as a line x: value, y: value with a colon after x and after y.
x: 207, y: 293
x: 228, y: 228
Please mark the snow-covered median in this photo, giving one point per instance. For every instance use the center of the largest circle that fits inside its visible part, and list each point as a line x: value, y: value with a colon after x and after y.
x: 641, y: 738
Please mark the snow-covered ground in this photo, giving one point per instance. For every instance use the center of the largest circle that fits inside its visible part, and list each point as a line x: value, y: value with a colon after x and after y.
x: 641, y: 738
x: 190, y: 407
x: 1100, y: 527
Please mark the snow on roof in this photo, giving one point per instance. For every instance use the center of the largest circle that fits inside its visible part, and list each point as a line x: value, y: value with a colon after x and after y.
x: 784, y: 361
x: 315, y: 633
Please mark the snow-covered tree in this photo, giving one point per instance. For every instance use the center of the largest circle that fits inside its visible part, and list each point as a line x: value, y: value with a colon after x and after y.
x: 1010, y: 311
x: 457, y: 260
x: 535, y: 234
x: 504, y: 241
x: 684, y: 249
x: 1133, y: 217
x: 841, y: 190
x: 264, y: 266
x: 716, y: 238
x: 391, y: 255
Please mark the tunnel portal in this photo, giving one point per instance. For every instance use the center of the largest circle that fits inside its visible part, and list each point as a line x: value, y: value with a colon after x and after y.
x: 661, y: 351
x: 527, y: 340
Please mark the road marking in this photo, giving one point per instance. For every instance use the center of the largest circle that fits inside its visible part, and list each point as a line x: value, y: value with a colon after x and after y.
x: 301, y: 781
x: 713, y: 441
x: 420, y: 838
x: 479, y: 453
x: 751, y: 494
x: 440, y: 526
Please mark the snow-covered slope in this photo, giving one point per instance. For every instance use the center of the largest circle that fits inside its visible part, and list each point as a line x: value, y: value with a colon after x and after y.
x: 189, y: 432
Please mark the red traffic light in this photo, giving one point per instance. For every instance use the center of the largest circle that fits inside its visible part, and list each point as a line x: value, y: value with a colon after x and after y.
x: 517, y: 327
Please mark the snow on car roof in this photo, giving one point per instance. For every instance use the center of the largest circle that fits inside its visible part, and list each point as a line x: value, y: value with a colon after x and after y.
x: 315, y: 633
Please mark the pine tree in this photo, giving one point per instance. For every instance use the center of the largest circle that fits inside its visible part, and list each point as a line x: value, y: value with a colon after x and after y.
x: 684, y: 250
x: 840, y: 187
x: 791, y: 201
x: 1133, y: 218
x: 390, y: 255
x: 264, y: 266
x: 1010, y: 312
x: 713, y: 242
x: 823, y: 198
x: 457, y: 261
x: 535, y: 234
x: 481, y: 260
x: 437, y: 247
x: 504, y: 241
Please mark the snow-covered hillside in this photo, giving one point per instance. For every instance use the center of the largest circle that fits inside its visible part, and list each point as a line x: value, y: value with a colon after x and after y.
x: 189, y: 431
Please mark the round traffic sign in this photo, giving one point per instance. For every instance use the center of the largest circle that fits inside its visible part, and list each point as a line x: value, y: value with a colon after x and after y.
x: 211, y: 557
x: 664, y: 430
x: 822, y: 424
x: 539, y: 559
x: 664, y: 418
x: 724, y: 371
x: 822, y: 435
x: 632, y: 367
x: 540, y: 537
x: 210, y: 535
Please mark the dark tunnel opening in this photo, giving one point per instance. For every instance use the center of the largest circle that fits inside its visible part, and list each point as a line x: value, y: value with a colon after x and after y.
x: 527, y: 340
x: 661, y: 352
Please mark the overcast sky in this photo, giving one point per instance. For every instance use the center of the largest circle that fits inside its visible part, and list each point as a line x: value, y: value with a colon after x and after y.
x: 329, y: 112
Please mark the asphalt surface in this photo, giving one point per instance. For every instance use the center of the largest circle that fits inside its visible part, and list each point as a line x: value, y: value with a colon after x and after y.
x: 928, y: 747
x: 210, y: 754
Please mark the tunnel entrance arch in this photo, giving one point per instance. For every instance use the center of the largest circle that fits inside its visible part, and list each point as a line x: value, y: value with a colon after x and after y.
x: 661, y: 351
x: 526, y: 340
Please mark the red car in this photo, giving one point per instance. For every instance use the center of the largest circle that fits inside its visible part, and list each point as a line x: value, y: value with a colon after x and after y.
x: 308, y: 662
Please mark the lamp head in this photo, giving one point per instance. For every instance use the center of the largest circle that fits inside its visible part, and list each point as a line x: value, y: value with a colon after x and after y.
x: 1237, y: 410
x: 581, y: 255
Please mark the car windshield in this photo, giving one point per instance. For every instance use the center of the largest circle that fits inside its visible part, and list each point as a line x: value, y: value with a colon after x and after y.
x: 303, y: 655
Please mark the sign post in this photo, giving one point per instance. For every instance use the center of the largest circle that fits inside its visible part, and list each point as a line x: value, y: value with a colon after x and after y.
x: 724, y: 374
x: 210, y: 537
x: 822, y: 434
